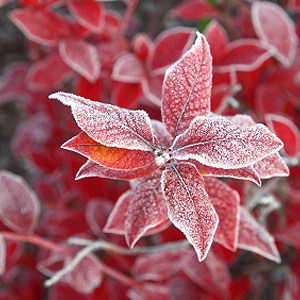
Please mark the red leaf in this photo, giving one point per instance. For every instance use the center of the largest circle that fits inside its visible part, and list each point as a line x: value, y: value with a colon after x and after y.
x: 41, y: 26
x: 128, y: 68
x: 246, y: 173
x: 217, y: 39
x: 194, y: 10
x: 189, y: 206
x: 219, y: 143
x: 117, y: 218
x: 161, y: 133
x: 290, y: 235
x: 274, y: 26
x: 2, y: 255
x: 158, y: 266
x: 80, y: 56
x: 112, y: 22
x: 254, y: 237
x: 211, y: 275
x: 110, y: 125
x: 270, y: 166
x: 226, y: 202
x: 187, y: 88
x: 86, y: 276
x: 152, y: 89
x: 287, y: 131
x: 96, y: 214
x: 126, y: 95
x: 48, y: 73
x: 110, y: 157
x: 88, y: 13
x: 146, y: 209
x: 168, y: 47
x: 244, y: 55
x: 19, y: 205
x: 92, y: 169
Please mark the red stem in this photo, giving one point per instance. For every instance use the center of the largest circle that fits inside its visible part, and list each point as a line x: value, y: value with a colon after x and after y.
x: 34, y: 239
x: 127, y: 16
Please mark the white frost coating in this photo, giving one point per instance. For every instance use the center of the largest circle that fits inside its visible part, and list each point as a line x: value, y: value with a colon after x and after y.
x: 110, y: 125
x: 218, y: 143
x: 187, y: 87
x: 273, y: 25
x: 189, y: 206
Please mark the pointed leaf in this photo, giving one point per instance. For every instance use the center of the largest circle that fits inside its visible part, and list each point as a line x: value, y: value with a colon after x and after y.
x: 19, y: 205
x: 92, y: 169
x: 158, y: 266
x: 128, y: 68
x: 86, y: 276
x: 152, y: 89
x: 254, y: 237
x: 48, y: 73
x: 243, y: 55
x: 271, y: 166
x: 80, y: 56
x: 246, y: 173
x: 168, y: 47
x: 88, y: 13
x: 146, y: 209
x: 287, y: 131
x: 226, y: 202
x: 189, y: 206
x: 110, y: 157
x: 187, y: 88
x: 194, y: 10
x: 274, y: 26
x: 117, y: 218
x: 141, y: 44
x: 219, y: 143
x: 110, y: 125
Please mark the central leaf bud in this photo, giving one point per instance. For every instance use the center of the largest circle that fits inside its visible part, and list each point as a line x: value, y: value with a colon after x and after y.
x: 161, y: 157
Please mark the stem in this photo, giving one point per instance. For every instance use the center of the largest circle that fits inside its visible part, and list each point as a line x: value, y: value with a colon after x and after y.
x: 103, y: 245
x: 127, y: 16
x: 34, y: 239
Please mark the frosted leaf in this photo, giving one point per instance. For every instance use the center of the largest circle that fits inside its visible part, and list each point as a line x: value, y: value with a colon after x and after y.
x: 128, y: 68
x: 254, y: 237
x: 168, y: 47
x: 110, y: 125
x: 245, y: 173
x: 92, y: 169
x: 187, y: 88
x: 80, y: 56
x: 271, y: 166
x: 189, y: 206
x: 88, y: 13
x: 96, y: 214
x: 19, y: 205
x: 110, y: 157
x: 158, y: 266
x: 157, y: 291
x: 243, y: 55
x: 211, y: 275
x: 241, y: 120
x: 226, y: 202
x: 86, y: 276
x: 146, y: 209
x: 219, y: 143
x: 116, y: 221
x: 274, y: 26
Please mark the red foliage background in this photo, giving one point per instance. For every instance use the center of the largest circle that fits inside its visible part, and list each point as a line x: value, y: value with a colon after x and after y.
x: 117, y: 52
